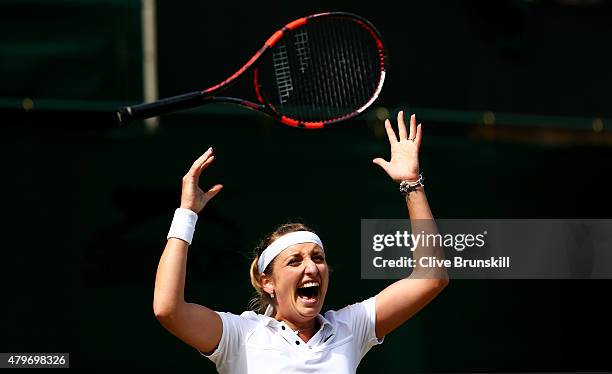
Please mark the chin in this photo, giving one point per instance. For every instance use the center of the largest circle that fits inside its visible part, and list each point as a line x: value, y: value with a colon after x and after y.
x: 310, y: 308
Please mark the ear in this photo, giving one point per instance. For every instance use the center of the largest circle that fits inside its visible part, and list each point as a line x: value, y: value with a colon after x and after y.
x: 267, y: 284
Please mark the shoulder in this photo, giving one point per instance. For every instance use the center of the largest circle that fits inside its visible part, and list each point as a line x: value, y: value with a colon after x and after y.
x: 236, y: 331
x: 254, y: 329
x: 255, y: 317
x: 348, y: 314
x: 358, y: 318
x: 246, y: 320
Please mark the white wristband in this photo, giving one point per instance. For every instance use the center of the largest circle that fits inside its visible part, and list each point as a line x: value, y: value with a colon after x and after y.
x: 183, y: 225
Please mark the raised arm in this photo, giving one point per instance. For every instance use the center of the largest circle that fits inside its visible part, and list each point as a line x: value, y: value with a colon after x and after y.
x: 196, y: 325
x: 402, y: 299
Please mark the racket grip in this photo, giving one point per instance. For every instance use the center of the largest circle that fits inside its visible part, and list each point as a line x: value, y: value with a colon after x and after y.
x: 159, y: 107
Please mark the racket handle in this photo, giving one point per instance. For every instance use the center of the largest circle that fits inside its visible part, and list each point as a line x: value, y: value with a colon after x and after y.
x: 163, y: 106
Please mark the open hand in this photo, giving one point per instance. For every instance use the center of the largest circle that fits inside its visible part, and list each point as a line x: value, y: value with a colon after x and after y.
x: 192, y: 196
x: 404, y: 164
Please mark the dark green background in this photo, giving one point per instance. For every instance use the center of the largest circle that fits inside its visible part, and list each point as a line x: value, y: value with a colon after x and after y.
x: 87, y: 208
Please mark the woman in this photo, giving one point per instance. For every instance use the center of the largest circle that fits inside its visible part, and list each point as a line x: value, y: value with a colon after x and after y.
x: 291, y: 276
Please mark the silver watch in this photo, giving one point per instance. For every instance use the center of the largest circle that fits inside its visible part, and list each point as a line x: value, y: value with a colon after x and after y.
x: 406, y: 187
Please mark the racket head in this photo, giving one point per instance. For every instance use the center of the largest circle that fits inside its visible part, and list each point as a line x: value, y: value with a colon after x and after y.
x: 321, y: 69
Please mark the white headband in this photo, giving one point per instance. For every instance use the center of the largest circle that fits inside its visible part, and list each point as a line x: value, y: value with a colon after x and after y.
x: 280, y: 244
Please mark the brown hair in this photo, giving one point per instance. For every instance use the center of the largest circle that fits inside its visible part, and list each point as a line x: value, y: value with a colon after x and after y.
x: 262, y: 299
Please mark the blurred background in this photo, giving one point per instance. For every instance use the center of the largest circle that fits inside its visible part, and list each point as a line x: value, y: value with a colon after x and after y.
x: 515, y: 101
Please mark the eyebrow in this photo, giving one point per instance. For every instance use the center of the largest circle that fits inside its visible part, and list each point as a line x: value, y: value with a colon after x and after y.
x: 296, y: 254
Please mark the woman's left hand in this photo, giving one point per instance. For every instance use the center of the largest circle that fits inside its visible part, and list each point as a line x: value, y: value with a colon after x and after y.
x: 404, y: 164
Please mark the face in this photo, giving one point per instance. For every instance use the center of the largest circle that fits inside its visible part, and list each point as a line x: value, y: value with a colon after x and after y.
x: 299, y: 281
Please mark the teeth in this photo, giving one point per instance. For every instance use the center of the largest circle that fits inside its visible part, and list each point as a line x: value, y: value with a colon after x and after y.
x: 310, y: 284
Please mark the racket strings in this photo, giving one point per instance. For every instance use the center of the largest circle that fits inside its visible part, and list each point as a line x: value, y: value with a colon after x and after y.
x: 308, y: 95
x: 354, y: 48
x: 360, y: 65
x: 333, y: 89
x: 284, y: 83
x: 302, y: 50
x: 340, y: 56
x: 324, y: 70
x: 354, y: 72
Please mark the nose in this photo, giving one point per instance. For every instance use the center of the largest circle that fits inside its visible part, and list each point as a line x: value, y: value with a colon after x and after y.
x: 310, y: 267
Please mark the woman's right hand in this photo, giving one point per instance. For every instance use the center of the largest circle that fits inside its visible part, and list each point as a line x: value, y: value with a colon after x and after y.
x: 192, y: 196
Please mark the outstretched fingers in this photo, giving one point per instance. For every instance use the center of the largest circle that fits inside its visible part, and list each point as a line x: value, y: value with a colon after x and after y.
x: 413, y: 127
x: 419, y: 135
x: 401, y: 126
x: 214, y: 190
x: 201, y: 163
x: 206, y: 163
x: 382, y: 163
x: 404, y: 133
x: 390, y: 132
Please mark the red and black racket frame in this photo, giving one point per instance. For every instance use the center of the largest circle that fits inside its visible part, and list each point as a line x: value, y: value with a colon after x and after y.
x: 198, y: 98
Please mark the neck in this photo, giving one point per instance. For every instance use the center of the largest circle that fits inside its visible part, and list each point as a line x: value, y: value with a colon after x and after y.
x: 300, y: 327
x: 305, y: 329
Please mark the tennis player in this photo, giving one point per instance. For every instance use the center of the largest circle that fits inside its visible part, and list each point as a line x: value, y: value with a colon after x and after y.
x: 291, y: 276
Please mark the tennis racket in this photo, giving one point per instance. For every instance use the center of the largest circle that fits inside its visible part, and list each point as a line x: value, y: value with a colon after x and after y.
x: 314, y: 72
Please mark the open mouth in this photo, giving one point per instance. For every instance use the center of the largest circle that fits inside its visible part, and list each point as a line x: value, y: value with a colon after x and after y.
x: 309, y: 292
